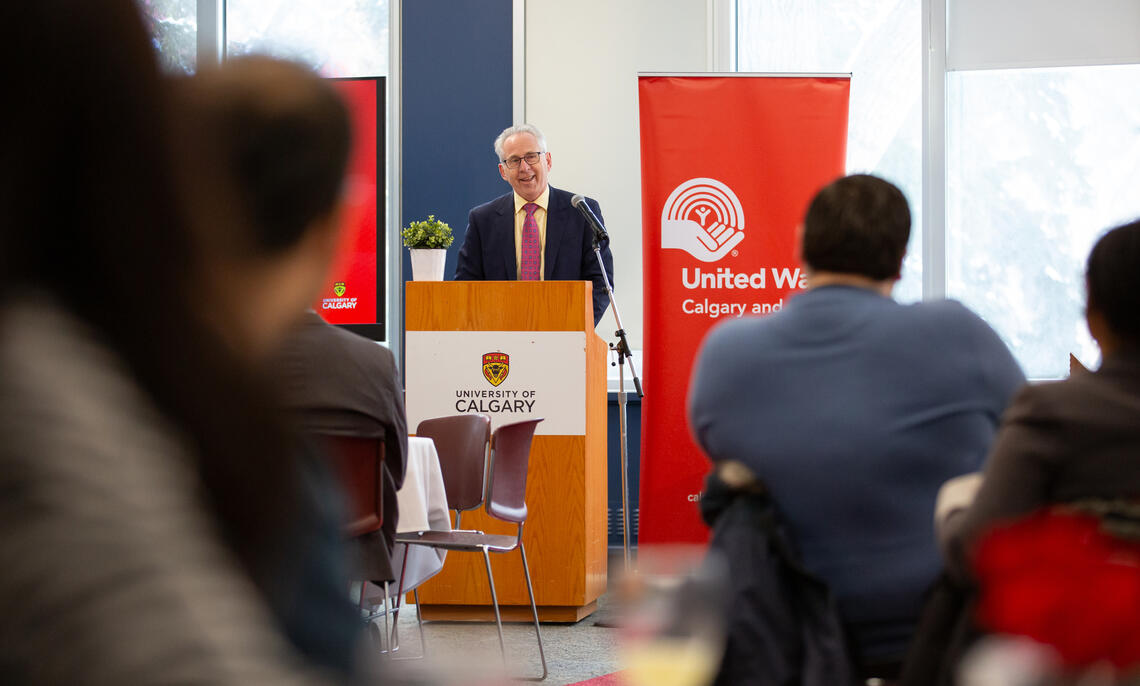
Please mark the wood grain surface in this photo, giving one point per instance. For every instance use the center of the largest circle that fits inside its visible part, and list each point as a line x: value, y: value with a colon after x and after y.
x: 565, y: 533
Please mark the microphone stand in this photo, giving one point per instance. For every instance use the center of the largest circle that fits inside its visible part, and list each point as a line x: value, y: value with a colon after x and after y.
x: 621, y: 347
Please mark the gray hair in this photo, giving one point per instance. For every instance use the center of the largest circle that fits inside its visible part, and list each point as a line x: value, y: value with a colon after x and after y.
x: 520, y: 128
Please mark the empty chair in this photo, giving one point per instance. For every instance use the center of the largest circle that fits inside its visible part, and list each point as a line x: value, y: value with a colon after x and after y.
x: 461, y: 442
x: 505, y: 499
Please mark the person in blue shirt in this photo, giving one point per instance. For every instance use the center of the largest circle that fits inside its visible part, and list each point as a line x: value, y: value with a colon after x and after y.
x: 852, y: 409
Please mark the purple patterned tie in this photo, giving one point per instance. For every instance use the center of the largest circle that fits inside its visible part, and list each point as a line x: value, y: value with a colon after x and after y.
x: 530, y: 261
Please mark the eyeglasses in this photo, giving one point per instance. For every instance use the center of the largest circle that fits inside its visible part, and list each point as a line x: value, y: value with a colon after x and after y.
x: 531, y: 158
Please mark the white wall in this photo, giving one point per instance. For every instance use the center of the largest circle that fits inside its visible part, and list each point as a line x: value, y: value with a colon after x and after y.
x: 582, y: 61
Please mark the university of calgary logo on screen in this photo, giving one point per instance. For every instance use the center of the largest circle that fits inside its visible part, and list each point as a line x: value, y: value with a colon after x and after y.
x: 495, y: 367
x: 704, y: 218
x: 339, y: 288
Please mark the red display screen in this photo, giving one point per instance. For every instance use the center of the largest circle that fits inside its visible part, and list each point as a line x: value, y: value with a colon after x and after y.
x: 353, y: 296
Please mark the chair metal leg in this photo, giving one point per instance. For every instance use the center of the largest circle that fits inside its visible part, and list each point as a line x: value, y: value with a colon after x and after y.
x: 394, y: 637
x: 400, y: 586
x: 387, y: 635
x: 370, y: 618
x: 534, y: 612
x: 420, y: 622
x: 495, y: 604
x: 399, y: 603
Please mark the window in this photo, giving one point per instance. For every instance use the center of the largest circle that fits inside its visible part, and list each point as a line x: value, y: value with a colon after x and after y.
x: 340, y: 38
x: 879, y: 42
x: 174, y: 27
x: 1038, y: 162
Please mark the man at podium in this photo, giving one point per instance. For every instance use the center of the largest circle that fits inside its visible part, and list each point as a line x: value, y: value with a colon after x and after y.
x: 532, y: 233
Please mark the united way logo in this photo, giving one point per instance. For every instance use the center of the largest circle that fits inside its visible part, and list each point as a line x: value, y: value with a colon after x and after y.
x: 495, y: 367
x: 339, y: 288
x: 704, y: 218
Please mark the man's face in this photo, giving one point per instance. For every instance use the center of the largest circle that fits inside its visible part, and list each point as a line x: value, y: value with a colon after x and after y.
x: 528, y: 180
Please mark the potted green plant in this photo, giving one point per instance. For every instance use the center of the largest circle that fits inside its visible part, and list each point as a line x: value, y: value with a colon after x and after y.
x: 428, y: 241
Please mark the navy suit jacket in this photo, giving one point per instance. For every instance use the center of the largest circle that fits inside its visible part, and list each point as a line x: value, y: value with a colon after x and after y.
x: 488, y: 252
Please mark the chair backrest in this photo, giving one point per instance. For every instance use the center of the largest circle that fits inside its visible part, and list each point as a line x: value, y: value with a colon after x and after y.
x: 461, y: 442
x: 510, y: 455
x: 358, y: 465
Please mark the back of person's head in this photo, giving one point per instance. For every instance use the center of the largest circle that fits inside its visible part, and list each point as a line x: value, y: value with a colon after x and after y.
x: 282, y: 136
x: 858, y: 224
x: 1113, y: 278
x: 92, y: 213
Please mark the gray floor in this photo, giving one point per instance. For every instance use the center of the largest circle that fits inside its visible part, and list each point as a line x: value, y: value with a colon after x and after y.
x: 468, y: 653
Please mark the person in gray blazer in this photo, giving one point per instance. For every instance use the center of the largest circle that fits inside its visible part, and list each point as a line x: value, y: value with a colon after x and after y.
x: 337, y: 383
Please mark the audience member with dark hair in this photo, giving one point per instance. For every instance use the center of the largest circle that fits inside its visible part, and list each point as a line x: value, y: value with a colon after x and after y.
x: 858, y: 225
x: 1074, y: 439
x: 277, y: 138
x: 156, y: 516
x: 849, y: 410
x: 283, y: 135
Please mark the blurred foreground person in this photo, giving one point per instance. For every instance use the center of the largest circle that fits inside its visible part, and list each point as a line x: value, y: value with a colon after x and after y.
x: 281, y: 134
x: 1075, y: 443
x: 157, y: 524
x: 268, y: 141
x: 838, y: 418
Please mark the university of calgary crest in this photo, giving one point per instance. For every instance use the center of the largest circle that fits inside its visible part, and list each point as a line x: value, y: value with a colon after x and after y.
x: 495, y: 367
x: 339, y: 288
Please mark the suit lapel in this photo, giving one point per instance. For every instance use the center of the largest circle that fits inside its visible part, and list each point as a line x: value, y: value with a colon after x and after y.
x: 505, y: 227
x: 555, y: 230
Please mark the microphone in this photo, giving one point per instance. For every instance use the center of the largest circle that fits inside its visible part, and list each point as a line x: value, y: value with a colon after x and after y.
x: 579, y: 201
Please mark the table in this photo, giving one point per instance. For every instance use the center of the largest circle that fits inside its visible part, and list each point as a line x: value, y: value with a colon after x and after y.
x: 423, y: 505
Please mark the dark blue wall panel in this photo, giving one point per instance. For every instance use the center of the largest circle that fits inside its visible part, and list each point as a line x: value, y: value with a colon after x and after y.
x: 457, y: 80
x: 633, y: 459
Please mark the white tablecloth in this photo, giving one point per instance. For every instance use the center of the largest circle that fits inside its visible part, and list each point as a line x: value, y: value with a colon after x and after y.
x: 423, y: 505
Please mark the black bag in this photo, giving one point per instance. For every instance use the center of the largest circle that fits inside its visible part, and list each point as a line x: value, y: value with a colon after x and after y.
x: 946, y: 632
x: 783, y: 627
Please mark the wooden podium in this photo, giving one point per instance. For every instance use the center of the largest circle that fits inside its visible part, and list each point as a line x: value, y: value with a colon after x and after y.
x: 547, y: 329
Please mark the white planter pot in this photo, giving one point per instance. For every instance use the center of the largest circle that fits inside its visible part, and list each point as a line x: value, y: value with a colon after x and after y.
x: 427, y: 263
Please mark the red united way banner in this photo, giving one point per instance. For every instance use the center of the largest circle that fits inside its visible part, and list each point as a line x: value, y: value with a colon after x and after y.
x: 728, y: 167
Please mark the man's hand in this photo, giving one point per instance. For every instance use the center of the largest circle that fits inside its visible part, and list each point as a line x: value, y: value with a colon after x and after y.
x: 706, y: 244
x: 955, y: 495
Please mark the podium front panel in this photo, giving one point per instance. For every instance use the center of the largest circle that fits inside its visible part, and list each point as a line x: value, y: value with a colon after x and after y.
x: 507, y: 375
x: 535, y: 339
